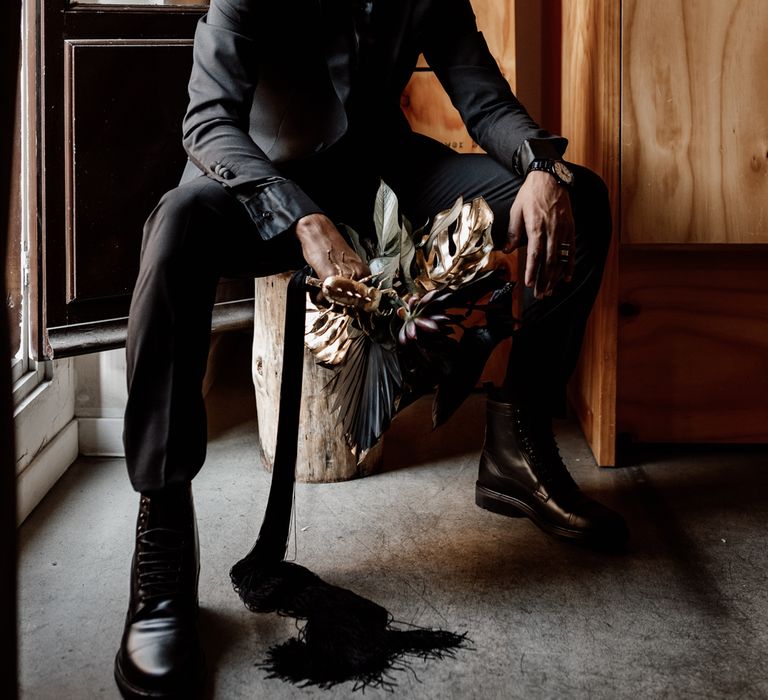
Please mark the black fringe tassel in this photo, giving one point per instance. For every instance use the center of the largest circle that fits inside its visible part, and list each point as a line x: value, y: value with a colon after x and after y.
x: 345, y: 637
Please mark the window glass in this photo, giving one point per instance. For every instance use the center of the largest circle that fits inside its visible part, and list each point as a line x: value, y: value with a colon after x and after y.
x: 13, y: 298
x: 14, y: 273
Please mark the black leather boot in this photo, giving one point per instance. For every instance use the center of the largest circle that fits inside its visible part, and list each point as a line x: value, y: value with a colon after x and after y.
x: 160, y: 655
x: 523, y: 475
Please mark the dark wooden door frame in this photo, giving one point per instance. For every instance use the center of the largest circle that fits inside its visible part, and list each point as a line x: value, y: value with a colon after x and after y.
x: 113, y: 90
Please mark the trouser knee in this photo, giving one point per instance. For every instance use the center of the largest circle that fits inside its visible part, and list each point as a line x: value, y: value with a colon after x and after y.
x: 174, y: 228
x: 591, y: 211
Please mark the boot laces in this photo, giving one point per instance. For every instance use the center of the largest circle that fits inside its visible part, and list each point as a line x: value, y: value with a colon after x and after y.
x: 159, y: 560
x: 538, y: 442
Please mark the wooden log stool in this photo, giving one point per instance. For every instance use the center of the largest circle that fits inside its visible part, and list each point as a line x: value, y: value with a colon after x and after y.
x: 323, y: 454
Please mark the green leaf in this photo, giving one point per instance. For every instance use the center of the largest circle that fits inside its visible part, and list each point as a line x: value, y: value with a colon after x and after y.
x: 407, y: 253
x: 386, y: 221
x: 384, y: 268
x: 354, y: 239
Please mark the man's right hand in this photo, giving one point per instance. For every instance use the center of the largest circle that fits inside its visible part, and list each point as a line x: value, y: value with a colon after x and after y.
x: 325, y: 249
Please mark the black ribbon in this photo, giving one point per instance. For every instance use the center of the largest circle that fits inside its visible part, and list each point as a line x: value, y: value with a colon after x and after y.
x: 272, y: 542
x: 346, y: 636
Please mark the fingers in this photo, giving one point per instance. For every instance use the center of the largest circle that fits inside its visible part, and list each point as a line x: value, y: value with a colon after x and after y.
x: 544, y: 265
x: 535, y: 255
x: 541, y: 253
x: 326, y: 250
x: 571, y: 265
x: 553, y: 266
x: 516, y: 227
x: 542, y: 212
x: 345, y: 262
x: 359, y: 269
x: 566, y: 238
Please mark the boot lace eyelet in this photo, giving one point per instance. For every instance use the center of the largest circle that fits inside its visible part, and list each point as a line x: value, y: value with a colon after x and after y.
x: 159, y: 563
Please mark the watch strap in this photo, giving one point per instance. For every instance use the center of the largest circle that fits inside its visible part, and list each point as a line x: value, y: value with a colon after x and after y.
x: 548, y: 165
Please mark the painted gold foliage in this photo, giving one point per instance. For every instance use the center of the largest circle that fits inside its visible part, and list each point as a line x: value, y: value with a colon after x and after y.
x: 392, y: 334
x: 457, y: 247
x: 328, y: 334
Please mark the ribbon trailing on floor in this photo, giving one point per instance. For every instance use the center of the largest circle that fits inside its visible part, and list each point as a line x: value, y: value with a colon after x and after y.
x: 345, y: 637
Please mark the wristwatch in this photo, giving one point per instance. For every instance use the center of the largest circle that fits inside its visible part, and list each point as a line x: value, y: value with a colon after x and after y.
x: 556, y: 168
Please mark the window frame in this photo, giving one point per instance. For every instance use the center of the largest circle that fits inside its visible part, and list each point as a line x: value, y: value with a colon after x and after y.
x: 27, y: 373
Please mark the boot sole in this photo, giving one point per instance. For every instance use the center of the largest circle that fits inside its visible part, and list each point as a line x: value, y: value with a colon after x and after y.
x: 512, y: 507
x: 132, y: 692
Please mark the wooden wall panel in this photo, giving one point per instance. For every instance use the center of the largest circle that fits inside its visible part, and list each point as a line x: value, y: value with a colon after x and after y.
x: 694, y: 136
x: 590, y: 119
x: 429, y: 111
x: 693, y: 365
x: 425, y: 103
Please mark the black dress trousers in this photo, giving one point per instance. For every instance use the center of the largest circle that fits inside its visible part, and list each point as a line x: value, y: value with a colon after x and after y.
x: 200, y: 232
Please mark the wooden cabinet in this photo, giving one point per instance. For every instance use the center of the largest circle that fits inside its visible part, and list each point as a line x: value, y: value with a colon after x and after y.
x: 663, y: 98
x: 692, y: 361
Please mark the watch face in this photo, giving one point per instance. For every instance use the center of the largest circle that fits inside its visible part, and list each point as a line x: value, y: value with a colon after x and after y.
x: 563, y: 172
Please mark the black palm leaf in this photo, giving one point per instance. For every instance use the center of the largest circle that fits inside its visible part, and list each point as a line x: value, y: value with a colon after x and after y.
x: 365, y: 390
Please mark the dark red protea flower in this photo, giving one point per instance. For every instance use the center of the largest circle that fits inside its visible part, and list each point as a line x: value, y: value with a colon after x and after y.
x: 422, y: 313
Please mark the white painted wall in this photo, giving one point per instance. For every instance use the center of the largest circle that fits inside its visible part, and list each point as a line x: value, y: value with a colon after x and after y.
x: 100, y: 397
x: 77, y: 408
x: 46, y: 435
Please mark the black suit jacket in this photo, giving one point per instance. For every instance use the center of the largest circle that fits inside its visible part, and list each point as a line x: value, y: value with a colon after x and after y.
x: 271, y: 78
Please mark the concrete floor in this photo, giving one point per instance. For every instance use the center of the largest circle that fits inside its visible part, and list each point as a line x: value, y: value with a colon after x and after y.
x: 682, y: 614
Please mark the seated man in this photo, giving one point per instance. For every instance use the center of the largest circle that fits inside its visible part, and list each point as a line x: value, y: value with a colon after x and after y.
x: 294, y: 116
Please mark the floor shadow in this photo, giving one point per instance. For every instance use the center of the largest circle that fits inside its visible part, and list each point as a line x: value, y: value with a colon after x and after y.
x: 231, y: 401
x: 663, y: 529
x: 411, y: 440
x: 703, y: 482
x: 216, y: 639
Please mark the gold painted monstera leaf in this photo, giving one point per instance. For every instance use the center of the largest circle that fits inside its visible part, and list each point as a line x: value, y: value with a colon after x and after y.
x: 328, y: 334
x: 458, y: 246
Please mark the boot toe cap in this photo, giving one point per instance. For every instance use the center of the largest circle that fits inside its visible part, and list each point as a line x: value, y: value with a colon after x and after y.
x: 159, y: 659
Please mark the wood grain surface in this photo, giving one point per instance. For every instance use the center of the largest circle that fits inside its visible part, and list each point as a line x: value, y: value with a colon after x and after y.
x: 428, y: 108
x: 590, y: 119
x: 693, y: 365
x: 323, y: 455
x: 695, y: 121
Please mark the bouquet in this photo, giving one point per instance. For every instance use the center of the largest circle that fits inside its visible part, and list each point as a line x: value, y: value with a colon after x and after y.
x: 412, y: 326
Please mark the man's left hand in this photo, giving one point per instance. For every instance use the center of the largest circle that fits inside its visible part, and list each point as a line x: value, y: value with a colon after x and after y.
x: 542, y: 212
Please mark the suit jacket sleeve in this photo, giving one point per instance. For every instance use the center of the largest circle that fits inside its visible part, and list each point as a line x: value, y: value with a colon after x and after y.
x: 494, y: 117
x: 216, y: 124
